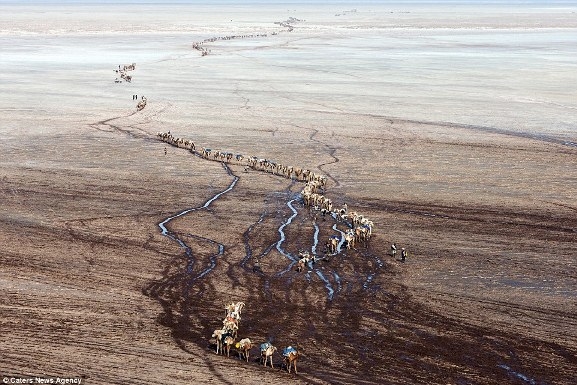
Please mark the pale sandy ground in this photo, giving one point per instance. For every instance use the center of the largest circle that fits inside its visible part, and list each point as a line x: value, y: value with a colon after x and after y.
x: 453, y: 129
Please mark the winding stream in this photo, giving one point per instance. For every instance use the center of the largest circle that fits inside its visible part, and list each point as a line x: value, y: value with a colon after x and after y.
x: 283, y: 238
x: 172, y: 235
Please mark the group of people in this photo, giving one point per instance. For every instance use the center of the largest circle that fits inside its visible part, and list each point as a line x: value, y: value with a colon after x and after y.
x: 404, y: 253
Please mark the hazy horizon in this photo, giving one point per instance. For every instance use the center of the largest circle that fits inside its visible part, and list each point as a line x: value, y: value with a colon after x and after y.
x: 280, y: 2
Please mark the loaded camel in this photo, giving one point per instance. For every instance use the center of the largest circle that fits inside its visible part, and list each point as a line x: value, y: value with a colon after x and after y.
x: 266, y: 352
x: 141, y: 104
x: 228, y: 341
x: 290, y: 357
x: 332, y: 244
x: 244, y: 347
x: 304, y: 260
x: 218, y: 335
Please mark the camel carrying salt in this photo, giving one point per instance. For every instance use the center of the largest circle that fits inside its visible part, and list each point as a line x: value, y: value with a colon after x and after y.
x: 266, y: 352
x: 140, y: 106
x: 243, y: 347
x: 290, y: 357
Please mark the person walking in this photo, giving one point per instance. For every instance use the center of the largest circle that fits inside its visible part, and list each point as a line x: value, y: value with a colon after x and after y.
x: 404, y: 254
x: 393, y: 250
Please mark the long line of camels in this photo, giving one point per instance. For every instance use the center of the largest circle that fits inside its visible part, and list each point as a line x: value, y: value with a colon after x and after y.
x: 359, y: 228
x: 199, y: 46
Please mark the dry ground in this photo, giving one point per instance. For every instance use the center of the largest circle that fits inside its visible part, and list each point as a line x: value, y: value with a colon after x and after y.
x: 93, y: 289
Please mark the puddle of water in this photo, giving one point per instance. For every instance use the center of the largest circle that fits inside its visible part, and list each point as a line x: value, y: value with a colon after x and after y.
x: 328, y: 285
x: 315, y: 239
x: 338, y: 281
x: 283, y: 238
x: 212, y: 262
x: 521, y: 376
x: 368, y: 281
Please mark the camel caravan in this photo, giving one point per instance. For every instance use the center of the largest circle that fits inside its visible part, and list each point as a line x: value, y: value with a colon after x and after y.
x: 253, y: 162
x: 122, y: 71
x: 226, y: 336
x: 199, y: 46
x: 204, y: 51
x: 141, y: 104
x: 359, y: 226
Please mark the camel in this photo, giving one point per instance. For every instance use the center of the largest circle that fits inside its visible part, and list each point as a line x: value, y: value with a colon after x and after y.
x: 188, y: 144
x: 363, y: 233
x: 359, y: 234
x: 238, y: 307
x: 301, y: 264
x: 234, y: 308
x: 327, y: 204
x: 356, y: 218
x: 266, y: 351
x: 332, y: 244
x: 291, y: 356
x: 252, y: 161
x: 369, y: 225
x: 305, y: 174
x: 342, y: 212
x: 244, y: 347
x: 350, y: 239
x: 228, y: 341
x: 229, y: 308
x: 307, y: 198
x: 298, y: 172
x: 218, y: 335
x: 304, y: 260
x: 288, y: 172
x: 141, y: 104
x: 230, y: 327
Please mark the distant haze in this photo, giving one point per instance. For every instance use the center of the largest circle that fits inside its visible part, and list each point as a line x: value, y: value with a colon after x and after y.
x: 295, y: 2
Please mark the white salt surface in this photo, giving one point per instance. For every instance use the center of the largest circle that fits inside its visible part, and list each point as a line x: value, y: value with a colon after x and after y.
x: 507, y: 67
